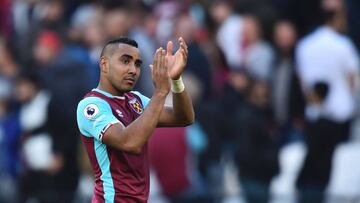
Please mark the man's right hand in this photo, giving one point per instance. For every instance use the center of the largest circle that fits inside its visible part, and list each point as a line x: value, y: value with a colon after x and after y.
x: 160, y: 73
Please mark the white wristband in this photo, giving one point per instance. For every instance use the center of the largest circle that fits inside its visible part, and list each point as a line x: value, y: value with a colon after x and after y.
x: 177, y: 86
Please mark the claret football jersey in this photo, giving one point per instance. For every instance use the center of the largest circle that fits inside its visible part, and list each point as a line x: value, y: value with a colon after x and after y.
x: 120, y: 177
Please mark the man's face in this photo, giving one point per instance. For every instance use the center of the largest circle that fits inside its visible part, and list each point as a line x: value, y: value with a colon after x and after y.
x: 123, y: 67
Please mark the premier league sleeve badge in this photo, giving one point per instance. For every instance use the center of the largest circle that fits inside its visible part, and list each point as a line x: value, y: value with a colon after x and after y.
x: 90, y: 111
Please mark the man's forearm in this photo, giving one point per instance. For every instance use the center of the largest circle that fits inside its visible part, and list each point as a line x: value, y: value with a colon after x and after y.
x: 183, y: 108
x: 135, y: 135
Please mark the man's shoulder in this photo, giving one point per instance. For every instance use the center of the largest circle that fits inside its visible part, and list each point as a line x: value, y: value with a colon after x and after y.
x: 324, y: 34
x: 93, y: 114
x: 92, y: 98
x: 134, y: 92
x: 144, y: 99
x: 306, y: 40
x: 92, y: 102
x: 137, y: 94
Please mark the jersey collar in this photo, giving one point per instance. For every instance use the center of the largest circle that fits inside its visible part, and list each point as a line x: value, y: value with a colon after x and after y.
x: 107, y: 94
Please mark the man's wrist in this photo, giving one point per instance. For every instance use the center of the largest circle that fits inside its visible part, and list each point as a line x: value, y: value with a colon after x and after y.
x: 161, y: 94
x: 177, y: 86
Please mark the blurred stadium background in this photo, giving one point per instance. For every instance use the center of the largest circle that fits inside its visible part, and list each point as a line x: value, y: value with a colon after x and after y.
x: 275, y: 85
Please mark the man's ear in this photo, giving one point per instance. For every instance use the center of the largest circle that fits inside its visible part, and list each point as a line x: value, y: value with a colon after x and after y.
x: 104, y: 64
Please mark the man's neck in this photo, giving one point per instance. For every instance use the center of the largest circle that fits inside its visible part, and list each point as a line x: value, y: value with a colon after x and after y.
x: 104, y: 86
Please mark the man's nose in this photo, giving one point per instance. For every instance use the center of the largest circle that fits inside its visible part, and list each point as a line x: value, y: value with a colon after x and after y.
x: 132, y: 69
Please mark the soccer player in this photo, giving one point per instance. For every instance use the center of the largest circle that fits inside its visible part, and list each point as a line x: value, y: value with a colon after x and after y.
x: 116, y: 122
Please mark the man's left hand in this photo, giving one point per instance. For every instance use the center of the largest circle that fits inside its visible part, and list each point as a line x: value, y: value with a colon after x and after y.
x: 176, y: 62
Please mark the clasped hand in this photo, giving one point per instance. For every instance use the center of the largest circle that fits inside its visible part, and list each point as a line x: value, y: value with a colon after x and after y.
x: 167, y: 65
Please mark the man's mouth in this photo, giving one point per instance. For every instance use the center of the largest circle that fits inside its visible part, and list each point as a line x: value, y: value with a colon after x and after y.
x: 130, y: 80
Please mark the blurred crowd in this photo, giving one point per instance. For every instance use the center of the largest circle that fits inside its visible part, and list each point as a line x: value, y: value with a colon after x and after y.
x: 263, y: 74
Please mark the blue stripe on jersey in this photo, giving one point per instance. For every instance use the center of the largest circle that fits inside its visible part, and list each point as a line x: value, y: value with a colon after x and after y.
x: 144, y: 100
x: 104, y: 163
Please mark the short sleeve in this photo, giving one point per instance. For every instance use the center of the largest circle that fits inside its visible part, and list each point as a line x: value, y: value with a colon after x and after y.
x: 144, y: 99
x: 94, y: 117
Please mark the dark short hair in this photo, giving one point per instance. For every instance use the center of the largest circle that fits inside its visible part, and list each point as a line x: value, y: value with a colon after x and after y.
x: 120, y: 40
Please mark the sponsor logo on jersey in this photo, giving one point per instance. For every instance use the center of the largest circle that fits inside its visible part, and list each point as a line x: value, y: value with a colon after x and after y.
x: 136, y: 106
x: 90, y: 111
x: 119, y: 113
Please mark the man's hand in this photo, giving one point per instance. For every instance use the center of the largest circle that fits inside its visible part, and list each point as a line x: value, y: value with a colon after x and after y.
x: 160, y: 73
x: 176, y: 62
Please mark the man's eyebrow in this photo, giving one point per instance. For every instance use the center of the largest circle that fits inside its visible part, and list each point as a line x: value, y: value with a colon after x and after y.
x: 127, y: 56
x: 131, y: 57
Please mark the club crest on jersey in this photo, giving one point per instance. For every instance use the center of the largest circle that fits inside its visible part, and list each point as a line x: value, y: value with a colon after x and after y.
x: 91, y: 110
x: 136, y: 106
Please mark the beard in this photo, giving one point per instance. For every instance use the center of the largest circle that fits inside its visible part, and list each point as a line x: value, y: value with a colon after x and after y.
x: 123, y: 87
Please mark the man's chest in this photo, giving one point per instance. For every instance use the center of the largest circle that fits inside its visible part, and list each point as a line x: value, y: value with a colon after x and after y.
x: 126, y: 110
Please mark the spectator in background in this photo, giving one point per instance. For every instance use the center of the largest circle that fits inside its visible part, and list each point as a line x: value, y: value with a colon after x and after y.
x: 37, y: 157
x: 294, y: 11
x: 166, y: 13
x: 258, y: 56
x: 219, y: 120
x: 66, y: 79
x: 256, y: 153
x: 9, y: 123
x: 24, y: 14
x: 8, y: 64
x: 229, y: 32
x: 94, y: 39
x: 327, y: 55
x: 220, y: 72
x: 287, y: 98
x: 322, y: 136
x: 64, y: 76
x: 118, y: 20
x: 263, y: 10
x: 49, y: 15
x: 87, y: 38
x: 198, y: 63
x: 9, y: 137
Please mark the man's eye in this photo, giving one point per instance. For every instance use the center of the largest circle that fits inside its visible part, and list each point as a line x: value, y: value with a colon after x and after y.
x: 126, y: 61
x: 138, y: 65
